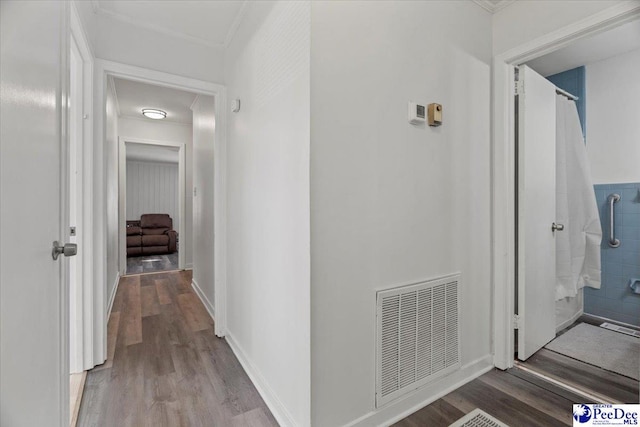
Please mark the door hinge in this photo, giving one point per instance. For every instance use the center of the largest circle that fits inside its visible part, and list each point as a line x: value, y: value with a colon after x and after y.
x: 516, y: 321
x: 519, y: 87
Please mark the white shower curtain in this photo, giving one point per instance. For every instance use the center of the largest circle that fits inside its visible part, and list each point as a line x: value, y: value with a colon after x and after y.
x: 578, y: 246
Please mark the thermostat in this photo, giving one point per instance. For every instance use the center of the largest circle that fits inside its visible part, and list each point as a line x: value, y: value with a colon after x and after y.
x: 417, y: 113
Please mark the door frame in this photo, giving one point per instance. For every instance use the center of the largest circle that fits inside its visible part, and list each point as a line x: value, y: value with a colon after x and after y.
x: 108, y: 69
x: 122, y: 194
x: 86, y: 322
x: 503, y: 160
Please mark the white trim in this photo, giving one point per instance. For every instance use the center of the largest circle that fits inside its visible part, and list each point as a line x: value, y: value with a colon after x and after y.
x: 112, y: 297
x: 103, y: 69
x: 122, y: 194
x: 466, y: 374
x: 205, y: 301
x: 277, y: 408
x: 569, y: 321
x: 82, y: 42
x: 503, y: 161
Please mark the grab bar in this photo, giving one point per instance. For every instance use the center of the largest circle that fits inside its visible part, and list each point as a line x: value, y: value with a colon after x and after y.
x: 613, y: 242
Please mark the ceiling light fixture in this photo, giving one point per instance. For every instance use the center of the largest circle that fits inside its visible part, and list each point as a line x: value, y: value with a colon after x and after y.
x: 153, y: 113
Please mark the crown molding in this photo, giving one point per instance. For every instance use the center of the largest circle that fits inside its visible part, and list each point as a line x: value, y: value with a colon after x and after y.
x: 491, y: 6
x: 99, y: 10
x: 236, y: 23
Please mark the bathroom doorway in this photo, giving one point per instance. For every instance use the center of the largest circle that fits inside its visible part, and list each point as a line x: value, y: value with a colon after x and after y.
x: 578, y: 319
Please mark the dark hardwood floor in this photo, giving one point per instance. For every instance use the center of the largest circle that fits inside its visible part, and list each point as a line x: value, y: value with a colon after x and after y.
x: 165, y: 366
x: 614, y: 387
x: 516, y: 400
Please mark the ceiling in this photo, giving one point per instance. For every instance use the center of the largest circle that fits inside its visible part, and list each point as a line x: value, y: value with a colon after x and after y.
x: 617, y: 41
x: 152, y: 153
x: 212, y: 23
x: 134, y: 96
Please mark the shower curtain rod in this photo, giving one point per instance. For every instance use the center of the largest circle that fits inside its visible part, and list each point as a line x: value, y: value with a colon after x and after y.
x: 567, y: 94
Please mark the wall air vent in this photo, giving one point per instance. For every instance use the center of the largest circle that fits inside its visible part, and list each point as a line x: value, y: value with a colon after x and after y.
x: 418, y: 336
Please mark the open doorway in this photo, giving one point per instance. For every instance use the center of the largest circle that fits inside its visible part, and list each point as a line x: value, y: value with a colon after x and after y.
x: 154, y: 206
x: 578, y: 207
x: 155, y: 164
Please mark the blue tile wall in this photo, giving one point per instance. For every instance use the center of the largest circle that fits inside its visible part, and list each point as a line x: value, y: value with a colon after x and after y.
x: 573, y: 81
x: 615, y: 299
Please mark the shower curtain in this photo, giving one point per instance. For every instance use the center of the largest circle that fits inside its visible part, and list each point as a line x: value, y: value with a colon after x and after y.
x: 578, y: 246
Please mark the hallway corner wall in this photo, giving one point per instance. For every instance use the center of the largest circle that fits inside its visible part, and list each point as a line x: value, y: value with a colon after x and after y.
x: 268, y: 239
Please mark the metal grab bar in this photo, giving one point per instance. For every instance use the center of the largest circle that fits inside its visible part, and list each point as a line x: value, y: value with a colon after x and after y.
x: 613, y: 242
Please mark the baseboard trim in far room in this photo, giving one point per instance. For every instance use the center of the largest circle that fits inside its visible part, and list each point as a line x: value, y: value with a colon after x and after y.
x: 205, y: 301
x: 112, y: 297
x: 272, y: 401
x: 465, y: 374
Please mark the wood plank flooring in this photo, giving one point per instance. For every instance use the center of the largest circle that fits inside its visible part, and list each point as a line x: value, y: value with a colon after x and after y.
x: 613, y: 386
x: 165, y: 366
x: 512, y: 399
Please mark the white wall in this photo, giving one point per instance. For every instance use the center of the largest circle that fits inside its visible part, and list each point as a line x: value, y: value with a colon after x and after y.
x: 391, y: 202
x: 129, y: 44
x: 111, y: 161
x: 203, y: 213
x: 153, y: 188
x: 157, y: 130
x: 523, y: 21
x: 267, y: 67
x: 613, y: 119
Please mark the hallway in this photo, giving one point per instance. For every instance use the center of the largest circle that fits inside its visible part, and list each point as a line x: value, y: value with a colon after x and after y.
x: 165, y: 366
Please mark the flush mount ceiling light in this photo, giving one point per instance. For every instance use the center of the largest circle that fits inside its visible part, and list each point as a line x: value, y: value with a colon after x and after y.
x: 153, y: 113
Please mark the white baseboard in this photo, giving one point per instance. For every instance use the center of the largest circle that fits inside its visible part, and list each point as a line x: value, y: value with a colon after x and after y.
x: 205, y: 301
x: 188, y: 266
x: 277, y: 408
x: 405, y: 406
x: 112, y: 297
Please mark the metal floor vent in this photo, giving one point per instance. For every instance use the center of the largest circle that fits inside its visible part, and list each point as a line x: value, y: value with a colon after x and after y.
x: 478, y: 418
x: 621, y: 329
x: 418, y: 336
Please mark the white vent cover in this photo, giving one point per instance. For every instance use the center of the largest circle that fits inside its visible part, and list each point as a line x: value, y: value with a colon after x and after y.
x: 418, y: 336
x: 478, y: 418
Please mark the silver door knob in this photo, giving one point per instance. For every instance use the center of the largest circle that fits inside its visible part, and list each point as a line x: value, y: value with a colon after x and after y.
x: 557, y: 227
x: 69, y: 249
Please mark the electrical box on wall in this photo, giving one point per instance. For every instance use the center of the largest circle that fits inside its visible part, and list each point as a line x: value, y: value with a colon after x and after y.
x: 417, y: 113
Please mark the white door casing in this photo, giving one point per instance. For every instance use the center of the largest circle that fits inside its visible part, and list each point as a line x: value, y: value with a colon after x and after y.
x: 33, y: 147
x: 536, y: 211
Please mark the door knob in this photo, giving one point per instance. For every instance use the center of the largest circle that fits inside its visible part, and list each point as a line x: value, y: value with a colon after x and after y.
x: 69, y: 249
x: 557, y: 227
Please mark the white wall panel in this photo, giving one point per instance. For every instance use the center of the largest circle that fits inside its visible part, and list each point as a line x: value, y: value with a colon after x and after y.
x: 394, y: 203
x: 613, y: 128
x: 268, y: 277
x: 203, y: 213
x: 152, y: 188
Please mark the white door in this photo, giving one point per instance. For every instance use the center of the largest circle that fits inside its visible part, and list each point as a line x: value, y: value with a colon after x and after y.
x: 536, y: 212
x: 33, y: 318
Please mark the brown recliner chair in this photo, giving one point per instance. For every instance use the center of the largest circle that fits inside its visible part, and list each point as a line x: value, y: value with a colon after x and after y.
x: 153, y: 236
